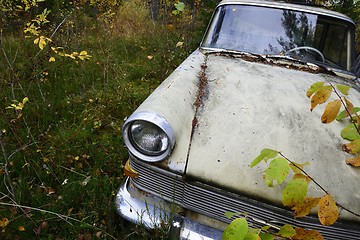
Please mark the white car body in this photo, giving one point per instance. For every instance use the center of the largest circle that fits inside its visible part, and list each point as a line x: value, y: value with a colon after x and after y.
x: 219, y: 109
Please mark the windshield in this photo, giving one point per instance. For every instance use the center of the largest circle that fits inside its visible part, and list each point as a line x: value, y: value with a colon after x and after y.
x: 264, y: 30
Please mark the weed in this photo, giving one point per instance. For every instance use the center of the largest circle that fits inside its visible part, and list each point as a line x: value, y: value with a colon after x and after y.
x: 62, y: 157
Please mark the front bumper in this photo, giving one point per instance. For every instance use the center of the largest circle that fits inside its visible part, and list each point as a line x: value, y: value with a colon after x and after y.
x: 152, y: 212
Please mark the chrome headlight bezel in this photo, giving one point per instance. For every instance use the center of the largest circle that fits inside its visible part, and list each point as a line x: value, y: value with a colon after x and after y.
x: 160, y: 124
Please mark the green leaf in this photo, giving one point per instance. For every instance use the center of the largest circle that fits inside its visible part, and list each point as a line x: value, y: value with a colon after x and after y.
x: 314, y: 88
x: 295, y: 192
x: 180, y: 6
x: 265, y: 155
x: 350, y: 133
x: 266, y: 236
x: 277, y: 171
x: 237, y: 229
x: 251, y: 236
x: 343, y: 89
x: 287, y: 231
x: 343, y: 114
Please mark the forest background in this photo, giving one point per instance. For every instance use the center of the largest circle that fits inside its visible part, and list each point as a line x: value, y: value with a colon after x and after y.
x: 70, y: 73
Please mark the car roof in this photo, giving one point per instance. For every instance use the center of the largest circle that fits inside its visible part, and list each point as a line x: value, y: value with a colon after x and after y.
x: 299, y: 7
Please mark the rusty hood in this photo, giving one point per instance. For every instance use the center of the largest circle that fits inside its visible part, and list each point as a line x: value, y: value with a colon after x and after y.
x: 248, y: 106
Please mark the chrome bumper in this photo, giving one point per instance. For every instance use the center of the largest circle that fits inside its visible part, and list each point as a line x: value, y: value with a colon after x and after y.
x: 153, y: 212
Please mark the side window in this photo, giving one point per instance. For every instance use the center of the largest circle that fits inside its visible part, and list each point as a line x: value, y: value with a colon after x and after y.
x: 319, y: 32
x: 335, y: 45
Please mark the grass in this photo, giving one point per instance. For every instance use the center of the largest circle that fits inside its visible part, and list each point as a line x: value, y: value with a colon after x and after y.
x: 62, y: 154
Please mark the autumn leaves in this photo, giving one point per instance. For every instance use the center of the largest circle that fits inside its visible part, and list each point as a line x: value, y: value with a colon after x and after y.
x: 294, y: 194
x: 319, y: 93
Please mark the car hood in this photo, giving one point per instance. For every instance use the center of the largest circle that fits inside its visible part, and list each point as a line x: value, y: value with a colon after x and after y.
x: 224, y: 110
x: 248, y: 106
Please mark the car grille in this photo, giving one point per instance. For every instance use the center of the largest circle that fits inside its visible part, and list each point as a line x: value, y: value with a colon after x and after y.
x: 214, y: 202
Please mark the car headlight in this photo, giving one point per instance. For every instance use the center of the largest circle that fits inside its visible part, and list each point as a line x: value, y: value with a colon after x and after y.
x: 148, y: 136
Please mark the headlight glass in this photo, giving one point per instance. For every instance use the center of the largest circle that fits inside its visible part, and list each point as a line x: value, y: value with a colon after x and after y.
x: 148, y: 138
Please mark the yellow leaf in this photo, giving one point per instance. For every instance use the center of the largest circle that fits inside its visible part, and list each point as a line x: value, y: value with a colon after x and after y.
x: 349, y: 107
x: 52, y: 59
x: 179, y: 44
x: 36, y: 41
x: 321, y: 96
x: 128, y: 171
x: 77, y: 158
x: 170, y: 27
x: 20, y: 106
x: 83, y: 53
x: 328, y: 211
x: 302, y: 176
x: 42, y: 43
x: 313, y: 88
x: 303, y: 209
x: 21, y: 228
x: 355, y: 162
x: 352, y: 147
x: 4, y: 222
x: 331, y: 111
x: 297, y: 167
x: 304, y: 234
x: 25, y: 100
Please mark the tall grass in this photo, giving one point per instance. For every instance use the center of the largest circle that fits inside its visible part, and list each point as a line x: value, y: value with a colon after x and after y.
x: 62, y: 154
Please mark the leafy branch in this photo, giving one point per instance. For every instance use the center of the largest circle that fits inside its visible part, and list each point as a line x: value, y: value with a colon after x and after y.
x: 349, y: 107
x: 317, y: 184
x: 319, y: 93
x: 294, y: 194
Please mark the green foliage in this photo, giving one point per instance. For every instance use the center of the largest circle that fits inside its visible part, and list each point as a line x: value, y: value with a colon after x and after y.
x: 62, y: 116
x: 237, y: 229
x: 287, y: 231
x: 179, y: 8
x: 295, y: 192
x: 320, y: 93
x: 343, y: 114
x: 277, y: 171
x: 350, y: 132
x: 265, y: 155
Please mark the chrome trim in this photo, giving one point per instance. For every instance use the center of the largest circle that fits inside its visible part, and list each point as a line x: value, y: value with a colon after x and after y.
x: 157, y: 120
x: 289, y: 6
x: 140, y: 212
x: 213, y: 202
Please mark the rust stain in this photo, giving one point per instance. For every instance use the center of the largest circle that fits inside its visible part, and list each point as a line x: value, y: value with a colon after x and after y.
x: 199, y: 101
x: 274, y: 62
x: 203, y: 81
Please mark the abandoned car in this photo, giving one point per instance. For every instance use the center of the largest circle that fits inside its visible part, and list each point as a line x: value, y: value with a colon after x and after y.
x: 191, y: 142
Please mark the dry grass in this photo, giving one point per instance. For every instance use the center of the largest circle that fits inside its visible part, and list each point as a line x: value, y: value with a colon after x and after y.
x: 132, y: 20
